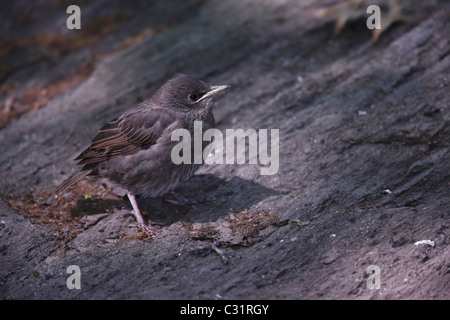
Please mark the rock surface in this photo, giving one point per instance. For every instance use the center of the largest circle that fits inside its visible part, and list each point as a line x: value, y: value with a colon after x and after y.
x: 364, y: 153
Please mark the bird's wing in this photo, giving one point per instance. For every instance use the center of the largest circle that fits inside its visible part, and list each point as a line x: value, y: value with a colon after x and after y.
x: 126, y: 135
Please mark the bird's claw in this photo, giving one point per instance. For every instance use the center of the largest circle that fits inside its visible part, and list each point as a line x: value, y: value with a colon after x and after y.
x: 149, y: 229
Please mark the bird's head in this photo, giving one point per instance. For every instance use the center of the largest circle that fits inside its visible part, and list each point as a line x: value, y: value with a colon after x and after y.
x: 188, y: 94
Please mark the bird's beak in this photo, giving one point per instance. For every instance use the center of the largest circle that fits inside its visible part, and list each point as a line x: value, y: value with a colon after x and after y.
x: 213, y: 91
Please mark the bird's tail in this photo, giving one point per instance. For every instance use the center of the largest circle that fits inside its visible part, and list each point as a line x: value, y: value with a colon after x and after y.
x: 72, y: 180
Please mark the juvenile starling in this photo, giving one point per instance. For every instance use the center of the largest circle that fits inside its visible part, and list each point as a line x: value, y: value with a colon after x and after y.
x: 134, y: 150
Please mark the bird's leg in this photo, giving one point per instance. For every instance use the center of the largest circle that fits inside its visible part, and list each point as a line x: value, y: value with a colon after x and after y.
x: 181, y: 200
x: 137, y: 214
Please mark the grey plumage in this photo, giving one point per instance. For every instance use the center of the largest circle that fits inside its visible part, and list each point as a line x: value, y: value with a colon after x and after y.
x: 134, y: 149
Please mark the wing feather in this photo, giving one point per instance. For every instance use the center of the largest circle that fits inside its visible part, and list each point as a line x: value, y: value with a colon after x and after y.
x: 126, y: 135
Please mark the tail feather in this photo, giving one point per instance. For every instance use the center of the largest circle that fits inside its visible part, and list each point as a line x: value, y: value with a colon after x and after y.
x: 72, y: 180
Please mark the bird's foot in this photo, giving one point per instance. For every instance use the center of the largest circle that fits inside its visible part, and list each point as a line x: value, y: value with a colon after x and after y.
x: 137, y: 214
x: 149, y: 229
x: 180, y: 200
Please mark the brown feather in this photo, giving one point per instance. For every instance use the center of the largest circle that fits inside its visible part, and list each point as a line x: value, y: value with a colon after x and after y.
x: 125, y: 135
x: 72, y: 180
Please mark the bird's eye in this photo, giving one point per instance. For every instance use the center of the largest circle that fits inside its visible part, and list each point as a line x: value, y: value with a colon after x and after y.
x: 193, y: 97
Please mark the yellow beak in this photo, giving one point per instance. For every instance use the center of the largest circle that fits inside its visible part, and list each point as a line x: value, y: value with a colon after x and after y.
x: 213, y: 91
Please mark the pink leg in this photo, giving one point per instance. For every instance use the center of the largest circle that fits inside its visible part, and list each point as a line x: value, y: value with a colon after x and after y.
x: 137, y: 214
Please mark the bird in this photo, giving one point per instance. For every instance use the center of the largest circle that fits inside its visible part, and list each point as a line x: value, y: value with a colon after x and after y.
x: 134, y: 149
